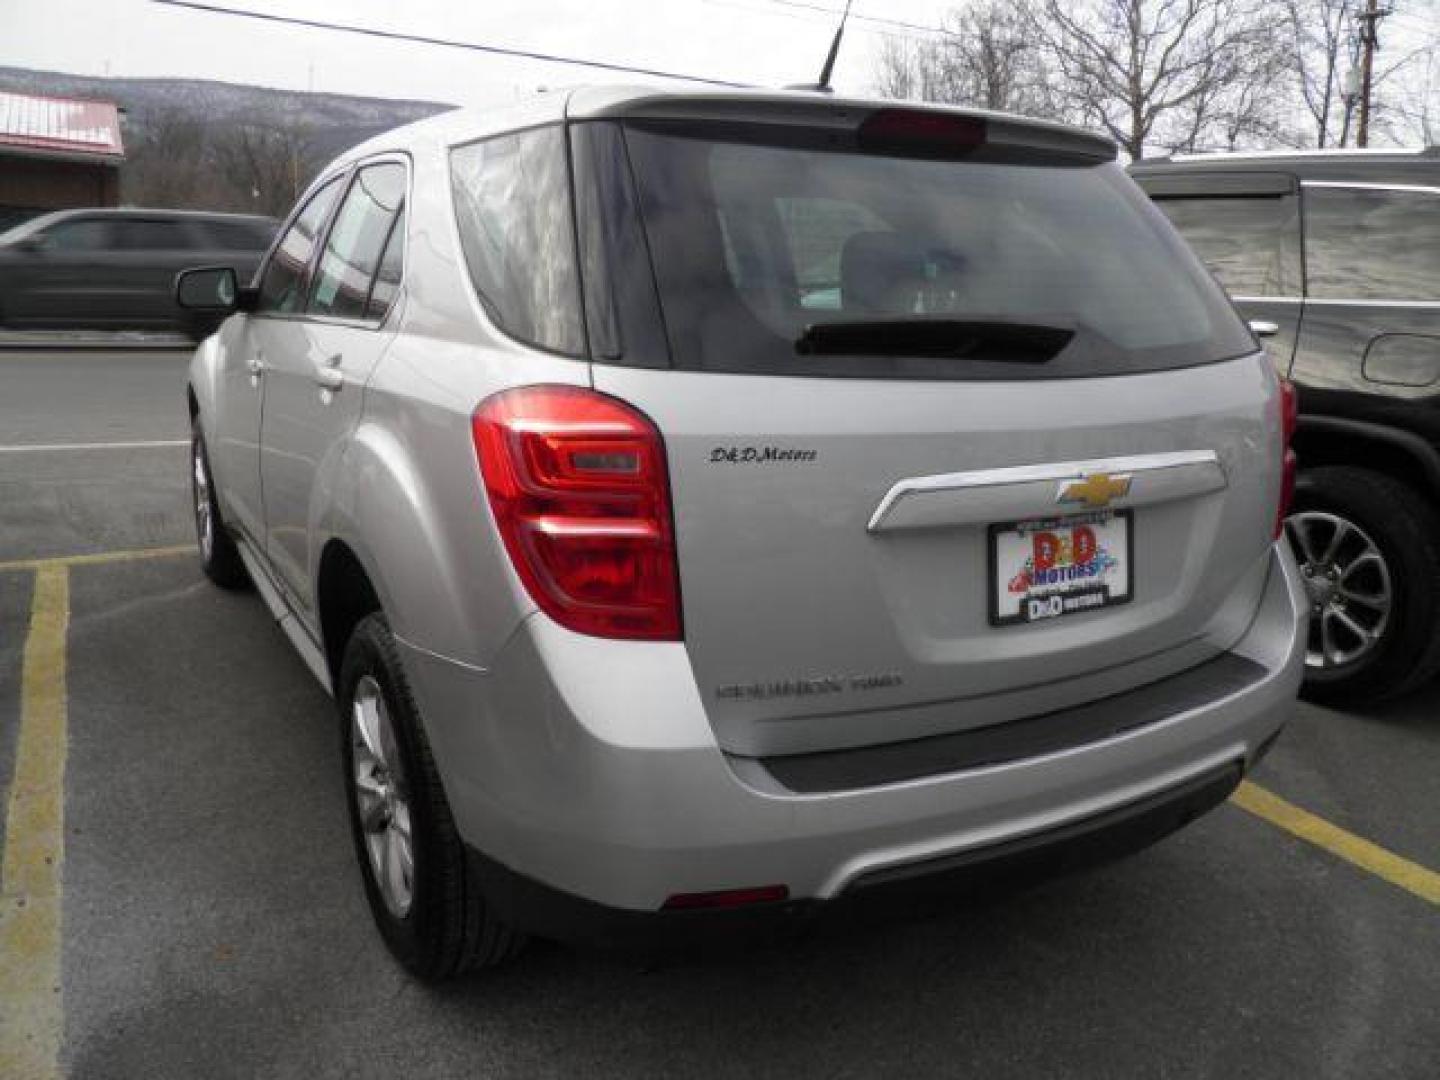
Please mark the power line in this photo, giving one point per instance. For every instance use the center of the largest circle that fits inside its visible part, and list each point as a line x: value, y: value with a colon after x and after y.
x: 811, y: 16
x: 817, y: 15
x: 420, y: 39
x: 879, y: 20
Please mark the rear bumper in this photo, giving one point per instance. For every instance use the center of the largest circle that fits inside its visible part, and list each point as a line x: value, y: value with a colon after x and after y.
x: 589, y: 777
x: 548, y: 912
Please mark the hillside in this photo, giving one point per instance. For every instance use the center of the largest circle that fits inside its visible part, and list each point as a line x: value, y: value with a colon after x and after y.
x: 217, y: 145
x: 338, y: 120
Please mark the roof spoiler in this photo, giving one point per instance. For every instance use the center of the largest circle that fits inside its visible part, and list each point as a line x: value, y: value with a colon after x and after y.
x: 1005, y: 137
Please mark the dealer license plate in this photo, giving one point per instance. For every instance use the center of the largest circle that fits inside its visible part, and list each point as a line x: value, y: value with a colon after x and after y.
x: 1046, y: 569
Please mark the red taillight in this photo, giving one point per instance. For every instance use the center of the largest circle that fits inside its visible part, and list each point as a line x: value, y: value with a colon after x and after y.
x: 920, y: 131
x: 728, y: 898
x: 1289, y: 411
x: 579, y: 488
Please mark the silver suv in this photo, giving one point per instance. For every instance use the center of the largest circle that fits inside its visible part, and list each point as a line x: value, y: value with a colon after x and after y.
x: 705, y: 508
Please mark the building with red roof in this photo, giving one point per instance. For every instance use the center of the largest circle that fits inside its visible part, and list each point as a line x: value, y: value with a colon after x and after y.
x: 56, y: 154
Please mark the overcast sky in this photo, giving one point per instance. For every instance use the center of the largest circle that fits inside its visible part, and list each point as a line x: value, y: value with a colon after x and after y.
x: 766, y: 42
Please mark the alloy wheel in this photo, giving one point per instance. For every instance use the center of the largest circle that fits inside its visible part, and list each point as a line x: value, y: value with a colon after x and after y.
x: 204, y: 519
x: 382, y: 797
x: 1349, y: 586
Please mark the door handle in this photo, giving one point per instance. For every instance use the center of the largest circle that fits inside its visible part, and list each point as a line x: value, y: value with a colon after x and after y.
x: 1264, y: 328
x: 328, y: 375
x: 255, y: 364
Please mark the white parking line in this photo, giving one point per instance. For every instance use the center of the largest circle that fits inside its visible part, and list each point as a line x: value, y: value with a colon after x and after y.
x: 144, y: 444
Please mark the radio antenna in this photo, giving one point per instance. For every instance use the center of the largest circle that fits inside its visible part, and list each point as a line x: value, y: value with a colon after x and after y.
x: 823, y: 84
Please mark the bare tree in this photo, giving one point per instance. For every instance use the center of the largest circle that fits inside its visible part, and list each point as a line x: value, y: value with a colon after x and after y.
x: 166, y: 161
x: 1320, y: 37
x: 989, y: 55
x: 1181, y: 74
x: 897, y: 68
x: 1406, y: 106
x: 266, y: 167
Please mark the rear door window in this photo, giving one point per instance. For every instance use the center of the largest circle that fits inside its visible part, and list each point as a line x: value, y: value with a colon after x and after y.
x: 139, y: 234
x: 356, y: 242
x: 1372, y: 243
x: 1252, y: 245
x: 83, y: 235
x: 754, y: 242
x: 512, y: 202
x: 238, y: 235
x: 284, y: 274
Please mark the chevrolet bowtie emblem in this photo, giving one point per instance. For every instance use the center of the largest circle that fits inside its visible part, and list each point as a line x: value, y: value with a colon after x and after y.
x: 1096, y: 490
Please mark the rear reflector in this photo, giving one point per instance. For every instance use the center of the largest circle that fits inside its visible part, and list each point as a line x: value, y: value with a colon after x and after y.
x: 728, y: 898
x: 920, y: 132
x: 579, y: 487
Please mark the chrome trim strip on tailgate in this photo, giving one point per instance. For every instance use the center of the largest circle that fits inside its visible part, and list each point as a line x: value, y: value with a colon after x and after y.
x: 1028, y: 491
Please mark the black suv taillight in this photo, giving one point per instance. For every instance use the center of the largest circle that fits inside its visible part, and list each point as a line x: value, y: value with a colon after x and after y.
x: 1289, y: 413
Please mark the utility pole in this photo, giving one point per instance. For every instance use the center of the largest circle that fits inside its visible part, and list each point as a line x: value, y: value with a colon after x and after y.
x: 1369, y: 20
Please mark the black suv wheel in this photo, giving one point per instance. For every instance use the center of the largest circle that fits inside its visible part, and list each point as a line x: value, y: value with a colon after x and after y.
x: 1369, y: 550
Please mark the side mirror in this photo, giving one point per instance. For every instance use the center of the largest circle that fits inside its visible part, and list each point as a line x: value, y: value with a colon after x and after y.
x: 208, y: 288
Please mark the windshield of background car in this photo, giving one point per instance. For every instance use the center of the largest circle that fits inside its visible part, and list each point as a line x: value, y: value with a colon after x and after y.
x: 754, y: 241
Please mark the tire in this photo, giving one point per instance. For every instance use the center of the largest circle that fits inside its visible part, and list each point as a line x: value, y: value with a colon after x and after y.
x: 442, y: 926
x: 219, y: 557
x: 1402, y: 530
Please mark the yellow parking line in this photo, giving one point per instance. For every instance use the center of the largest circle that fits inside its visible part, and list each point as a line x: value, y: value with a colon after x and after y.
x: 97, y: 559
x: 31, y: 1010
x: 1356, y: 850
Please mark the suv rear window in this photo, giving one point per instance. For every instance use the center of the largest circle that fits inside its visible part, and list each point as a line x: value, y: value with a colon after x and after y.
x: 1372, y: 243
x: 754, y: 241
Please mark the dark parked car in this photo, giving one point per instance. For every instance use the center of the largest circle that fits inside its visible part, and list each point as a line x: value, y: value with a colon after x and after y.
x: 1335, y: 257
x: 115, y: 269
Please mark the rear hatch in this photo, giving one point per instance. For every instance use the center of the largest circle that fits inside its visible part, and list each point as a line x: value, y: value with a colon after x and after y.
x: 958, y: 431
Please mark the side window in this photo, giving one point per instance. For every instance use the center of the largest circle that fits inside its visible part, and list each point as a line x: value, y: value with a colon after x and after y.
x: 356, y: 242
x: 387, y: 278
x: 280, y: 284
x: 512, y: 200
x: 137, y: 234
x: 1372, y: 244
x: 83, y: 235
x: 1252, y: 245
x: 236, y: 235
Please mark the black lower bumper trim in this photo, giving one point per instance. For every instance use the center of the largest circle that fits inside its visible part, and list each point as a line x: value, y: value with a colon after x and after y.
x: 1014, y: 740
x: 544, y: 911
x: 1087, y: 842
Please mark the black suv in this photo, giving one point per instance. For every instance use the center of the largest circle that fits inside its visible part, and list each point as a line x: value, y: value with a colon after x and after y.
x: 1334, y: 256
x: 115, y: 269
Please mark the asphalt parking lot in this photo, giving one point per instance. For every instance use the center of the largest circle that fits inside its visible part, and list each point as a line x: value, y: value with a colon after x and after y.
x: 196, y: 912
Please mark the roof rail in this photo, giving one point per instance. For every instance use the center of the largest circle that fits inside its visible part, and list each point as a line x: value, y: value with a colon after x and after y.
x: 1370, y: 151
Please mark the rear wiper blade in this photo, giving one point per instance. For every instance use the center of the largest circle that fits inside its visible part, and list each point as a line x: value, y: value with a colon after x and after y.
x: 988, y: 339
